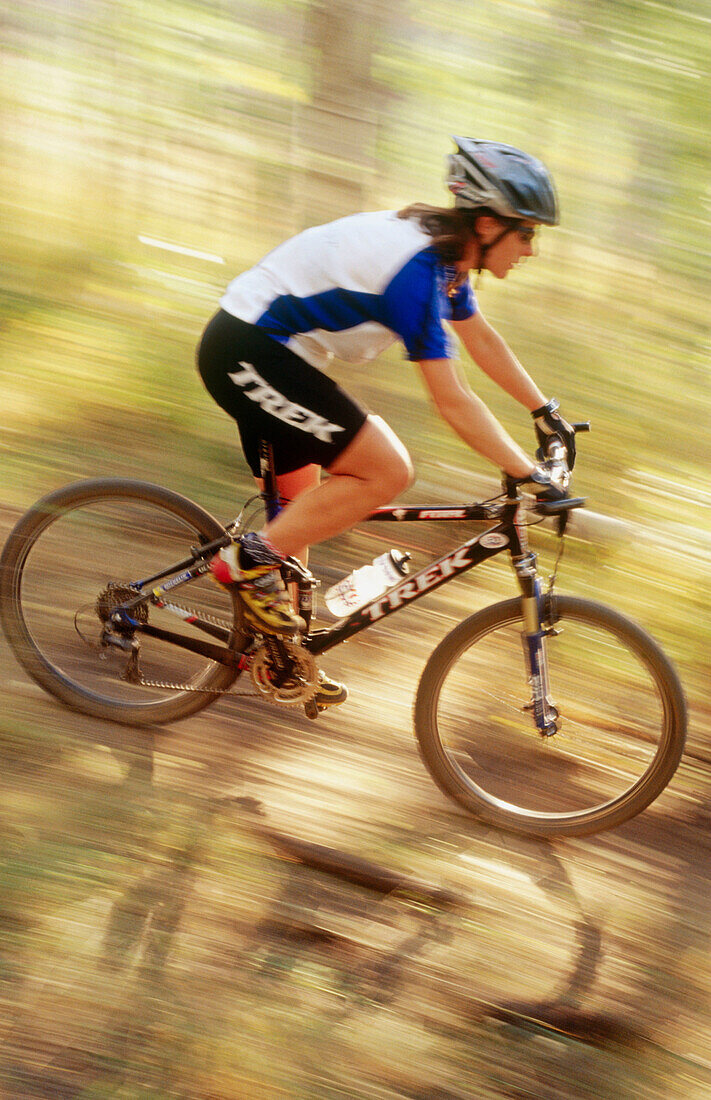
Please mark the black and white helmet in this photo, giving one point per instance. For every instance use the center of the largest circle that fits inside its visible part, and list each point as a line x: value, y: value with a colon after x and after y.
x: 502, y: 178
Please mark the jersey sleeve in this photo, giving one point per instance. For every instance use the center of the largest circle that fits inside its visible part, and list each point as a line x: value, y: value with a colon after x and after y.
x: 416, y: 306
x: 463, y: 302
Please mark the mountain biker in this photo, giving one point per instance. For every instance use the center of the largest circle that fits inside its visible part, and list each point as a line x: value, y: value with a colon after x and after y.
x: 349, y: 289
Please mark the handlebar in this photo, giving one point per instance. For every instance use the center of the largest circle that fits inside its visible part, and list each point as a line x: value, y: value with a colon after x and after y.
x: 556, y: 462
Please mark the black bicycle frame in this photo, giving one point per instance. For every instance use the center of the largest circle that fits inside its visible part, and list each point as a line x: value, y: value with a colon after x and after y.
x: 505, y: 535
x: 509, y: 535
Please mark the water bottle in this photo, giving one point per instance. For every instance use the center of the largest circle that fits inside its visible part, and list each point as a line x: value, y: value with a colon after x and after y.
x: 366, y: 583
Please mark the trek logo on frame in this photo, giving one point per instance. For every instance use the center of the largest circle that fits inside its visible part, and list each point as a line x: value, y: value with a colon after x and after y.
x: 432, y: 576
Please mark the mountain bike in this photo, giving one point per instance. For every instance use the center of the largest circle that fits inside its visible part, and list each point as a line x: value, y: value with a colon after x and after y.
x: 546, y: 714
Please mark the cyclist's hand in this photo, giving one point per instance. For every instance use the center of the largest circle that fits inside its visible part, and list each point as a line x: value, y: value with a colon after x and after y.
x: 549, y: 422
x: 545, y: 484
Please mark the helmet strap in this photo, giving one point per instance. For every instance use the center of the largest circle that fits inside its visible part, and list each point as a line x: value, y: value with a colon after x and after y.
x: 508, y: 227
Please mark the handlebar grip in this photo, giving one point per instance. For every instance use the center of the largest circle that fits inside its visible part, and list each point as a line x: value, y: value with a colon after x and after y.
x: 581, y: 426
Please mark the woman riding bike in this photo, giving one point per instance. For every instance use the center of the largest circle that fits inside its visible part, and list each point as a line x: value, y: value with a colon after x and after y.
x: 348, y: 290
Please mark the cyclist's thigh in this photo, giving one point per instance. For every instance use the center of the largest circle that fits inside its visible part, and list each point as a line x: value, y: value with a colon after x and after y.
x: 296, y: 482
x: 376, y: 453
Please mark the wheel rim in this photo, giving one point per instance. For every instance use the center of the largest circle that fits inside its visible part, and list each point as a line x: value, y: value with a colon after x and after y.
x: 80, y: 551
x: 614, y: 721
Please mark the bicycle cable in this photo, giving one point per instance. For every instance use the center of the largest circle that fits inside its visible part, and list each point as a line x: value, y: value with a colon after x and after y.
x: 554, y: 575
x: 253, y: 650
x: 245, y: 516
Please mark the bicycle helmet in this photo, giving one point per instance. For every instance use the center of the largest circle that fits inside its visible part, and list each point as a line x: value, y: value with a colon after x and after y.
x: 506, y: 180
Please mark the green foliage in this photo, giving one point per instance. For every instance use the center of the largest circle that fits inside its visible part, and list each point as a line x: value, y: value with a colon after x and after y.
x: 131, y: 131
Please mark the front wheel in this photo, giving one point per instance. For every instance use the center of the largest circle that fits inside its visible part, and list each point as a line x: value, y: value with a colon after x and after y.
x: 621, y: 728
x: 82, y: 547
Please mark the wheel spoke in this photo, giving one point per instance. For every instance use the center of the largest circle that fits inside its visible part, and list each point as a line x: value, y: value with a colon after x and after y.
x: 621, y: 720
x: 79, y: 561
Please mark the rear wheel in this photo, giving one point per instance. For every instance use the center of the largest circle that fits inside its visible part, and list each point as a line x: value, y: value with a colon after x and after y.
x: 621, y: 729
x: 69, y: 558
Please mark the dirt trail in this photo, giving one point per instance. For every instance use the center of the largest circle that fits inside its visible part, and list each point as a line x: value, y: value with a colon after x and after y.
x: 186, y: 912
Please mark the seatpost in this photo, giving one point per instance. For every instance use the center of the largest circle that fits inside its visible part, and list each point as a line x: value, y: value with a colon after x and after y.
x: 267, y: 472
x: 295, y: 574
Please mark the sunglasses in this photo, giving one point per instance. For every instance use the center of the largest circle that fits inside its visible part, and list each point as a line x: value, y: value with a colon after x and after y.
x: 526, y: 233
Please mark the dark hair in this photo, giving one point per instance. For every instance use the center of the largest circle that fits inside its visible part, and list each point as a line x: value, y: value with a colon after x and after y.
x: 451, y: 228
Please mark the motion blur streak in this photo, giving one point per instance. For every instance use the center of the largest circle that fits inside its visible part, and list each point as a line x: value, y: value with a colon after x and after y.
x: 155, y: 941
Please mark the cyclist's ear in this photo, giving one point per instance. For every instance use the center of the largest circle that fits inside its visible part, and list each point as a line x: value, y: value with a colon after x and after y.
x: 486, y: 228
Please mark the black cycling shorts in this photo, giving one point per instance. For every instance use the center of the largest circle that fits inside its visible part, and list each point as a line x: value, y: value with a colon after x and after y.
x: 275, y: 395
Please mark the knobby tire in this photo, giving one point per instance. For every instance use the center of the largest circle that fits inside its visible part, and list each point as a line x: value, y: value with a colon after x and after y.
x: 42, y: 639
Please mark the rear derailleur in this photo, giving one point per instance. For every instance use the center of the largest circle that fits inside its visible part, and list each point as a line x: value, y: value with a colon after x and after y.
x: 119, y: 628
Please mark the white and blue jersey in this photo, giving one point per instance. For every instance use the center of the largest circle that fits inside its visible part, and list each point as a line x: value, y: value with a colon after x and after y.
x: 351, y: 288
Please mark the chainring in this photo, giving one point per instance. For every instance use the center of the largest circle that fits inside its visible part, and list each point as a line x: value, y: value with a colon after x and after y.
x: 303, y: 678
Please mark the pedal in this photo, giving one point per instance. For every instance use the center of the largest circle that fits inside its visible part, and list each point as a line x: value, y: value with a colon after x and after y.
x: 312, y: 709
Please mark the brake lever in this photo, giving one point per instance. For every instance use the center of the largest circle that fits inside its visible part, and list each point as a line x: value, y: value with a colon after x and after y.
x: 559, y: 510
x: 556, y: 452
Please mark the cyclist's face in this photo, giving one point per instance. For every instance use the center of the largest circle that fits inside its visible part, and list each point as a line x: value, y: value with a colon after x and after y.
x: 513, y: 247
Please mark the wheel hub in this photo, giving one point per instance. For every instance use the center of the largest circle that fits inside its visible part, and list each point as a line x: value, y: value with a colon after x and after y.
x: 112, y: 597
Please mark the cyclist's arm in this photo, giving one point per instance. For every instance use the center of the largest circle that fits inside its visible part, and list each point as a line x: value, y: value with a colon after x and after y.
x: 492, y: 354
x: 469, y: 417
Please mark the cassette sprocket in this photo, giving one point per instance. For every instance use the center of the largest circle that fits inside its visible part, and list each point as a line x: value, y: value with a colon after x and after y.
x: 112, y: 597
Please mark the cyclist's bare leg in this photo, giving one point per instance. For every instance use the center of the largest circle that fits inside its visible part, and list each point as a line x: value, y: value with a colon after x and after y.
x: 373, y: 469
x: 289, y: 486
x: 292, y: 485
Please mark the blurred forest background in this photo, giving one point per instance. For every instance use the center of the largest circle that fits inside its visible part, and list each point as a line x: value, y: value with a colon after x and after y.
x: 151, y: 151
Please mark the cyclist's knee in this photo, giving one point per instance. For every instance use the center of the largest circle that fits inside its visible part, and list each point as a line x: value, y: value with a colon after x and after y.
x: 395, y: 471
x: 400, y: 475
x: 378, y: 459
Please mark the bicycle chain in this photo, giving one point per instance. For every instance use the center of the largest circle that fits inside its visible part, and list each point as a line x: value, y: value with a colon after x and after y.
x: 211, y: 619
x: 169, y: 685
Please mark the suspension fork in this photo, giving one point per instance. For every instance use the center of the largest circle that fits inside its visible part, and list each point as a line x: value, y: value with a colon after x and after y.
x: 533, y: 638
